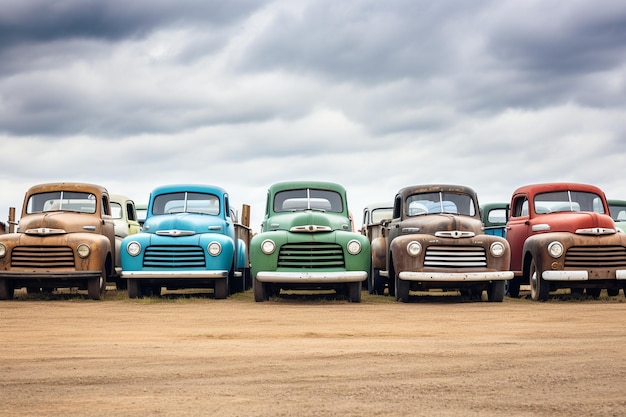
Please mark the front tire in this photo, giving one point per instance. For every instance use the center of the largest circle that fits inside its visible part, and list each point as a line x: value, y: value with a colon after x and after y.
x: 134, y: 288
x: 220, y: 290
x: 6, y: 289
x: 495, y: 291
x: 402, y: 289
x: 96, y: 287
x: 539, y: 288
x: 514, y: 285
x: 354, y: 291
x: 260, y: 290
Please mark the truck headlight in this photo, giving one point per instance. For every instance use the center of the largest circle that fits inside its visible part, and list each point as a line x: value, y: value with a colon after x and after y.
x: 214, y: 248
x: 354, y: 247
x: 133, y: 248
x: 83, y: 250
x: 414, y: 248
x: 555, y: 249
x: 497, y: 249
x: 3, y: 250
x: 268, y: 246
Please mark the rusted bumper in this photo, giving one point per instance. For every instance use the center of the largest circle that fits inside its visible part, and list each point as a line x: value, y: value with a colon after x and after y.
x: 620, y: 274
x: 49, y: 276
x: 456, y: 276
x: 311, y: 277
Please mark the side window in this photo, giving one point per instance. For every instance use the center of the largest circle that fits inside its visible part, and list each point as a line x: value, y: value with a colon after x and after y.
x: 106, y: 208
x: 366, y: 217
x: 397, y: 207
x: 226, y: 206
x: 130, y: 211
x: 520, y: 207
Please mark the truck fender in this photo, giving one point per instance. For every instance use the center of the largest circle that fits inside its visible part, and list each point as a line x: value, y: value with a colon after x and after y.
x: 379, y: 253
x: 242, y: 257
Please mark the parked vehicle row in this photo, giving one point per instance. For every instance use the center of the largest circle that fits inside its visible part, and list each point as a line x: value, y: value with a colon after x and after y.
x: 430, y: 237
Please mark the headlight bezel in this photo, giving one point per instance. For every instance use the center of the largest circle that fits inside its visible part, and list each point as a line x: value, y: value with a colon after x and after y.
x: 556, y: 249
x: 214, y: 248
x: 133, y: 248
x: 83, y: 250
x: 497, y: 249
x: 354, y: 247
x: 3, y: 250
x: 414, y: 248
x: 268, y: 246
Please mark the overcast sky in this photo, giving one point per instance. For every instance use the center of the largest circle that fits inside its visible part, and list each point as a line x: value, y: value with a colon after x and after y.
x: 375, y: 95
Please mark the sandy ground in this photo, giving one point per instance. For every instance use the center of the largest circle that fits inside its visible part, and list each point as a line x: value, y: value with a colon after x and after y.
x: 64, y: 355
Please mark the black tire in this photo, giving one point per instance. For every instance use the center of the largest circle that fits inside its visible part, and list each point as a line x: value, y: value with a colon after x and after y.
x: 121, y: 284
x: 220, y: 291
x: 514, y: 285
x: 237, y: 284
x: 354, y: 291
x: 495, y: 291
x: 260, y: 290
x: 134, y: 288
x: 402, y: 289
x: 379, y: 282
x: 593, y: 292
x: 6, y: 289
x: 612, y: 292
x: 539, y: 288
x: 96, y: 287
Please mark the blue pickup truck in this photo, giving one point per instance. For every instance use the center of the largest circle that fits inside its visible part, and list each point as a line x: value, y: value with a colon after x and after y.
x: 190, y: 239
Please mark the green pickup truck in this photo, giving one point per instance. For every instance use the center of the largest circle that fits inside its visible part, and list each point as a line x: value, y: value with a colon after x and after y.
x: 307, y: 242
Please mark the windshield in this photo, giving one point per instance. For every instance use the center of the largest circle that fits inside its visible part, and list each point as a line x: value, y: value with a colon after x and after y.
x: 440, y: 202
x: 186, y: 202
x: 116, y: 210
x: 61, y: 201
x: 308, y: 199
x: 559, y: 201
x: 381, y: 214
x: 618, y: 213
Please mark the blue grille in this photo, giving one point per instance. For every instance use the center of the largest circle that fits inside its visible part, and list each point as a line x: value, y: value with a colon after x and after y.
x: 174, y: 257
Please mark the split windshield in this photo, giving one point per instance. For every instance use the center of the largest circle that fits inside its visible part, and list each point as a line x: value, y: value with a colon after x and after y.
x: 308, y: 199
x: 559, y: 201
x: 440, y: 202
x: 79, y: 202
x: 186, y: 202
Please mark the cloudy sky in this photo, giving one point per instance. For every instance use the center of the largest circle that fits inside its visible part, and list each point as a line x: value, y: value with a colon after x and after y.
x: 370, y: 94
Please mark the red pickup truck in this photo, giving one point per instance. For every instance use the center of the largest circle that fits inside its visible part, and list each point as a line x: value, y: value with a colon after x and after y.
x: 562, y: 236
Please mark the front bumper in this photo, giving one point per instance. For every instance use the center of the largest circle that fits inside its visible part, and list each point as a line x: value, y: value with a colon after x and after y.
x: 311, y: 277
x: 455, y: 276
x: 50, y: 276
x: 215, y: 274
x: 620, y: 274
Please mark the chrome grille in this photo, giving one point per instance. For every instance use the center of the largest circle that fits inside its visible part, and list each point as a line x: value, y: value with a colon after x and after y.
x: 174, y: 257
x: 311, y: 255
x: 455, y: 257
x: 595, y: 257
x: 45, y: 257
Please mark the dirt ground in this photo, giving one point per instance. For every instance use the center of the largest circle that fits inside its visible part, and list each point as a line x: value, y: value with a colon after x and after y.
x: 182, y: 355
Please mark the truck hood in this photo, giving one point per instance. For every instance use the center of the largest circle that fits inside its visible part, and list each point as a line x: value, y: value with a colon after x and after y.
x: 581, y: 222
x: 188, y: 223
x: 308, y: 221
x: 444, y: 222
x: 59, y: 222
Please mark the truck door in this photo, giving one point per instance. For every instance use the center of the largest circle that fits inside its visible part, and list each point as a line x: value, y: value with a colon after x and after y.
x: 517, y: 230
